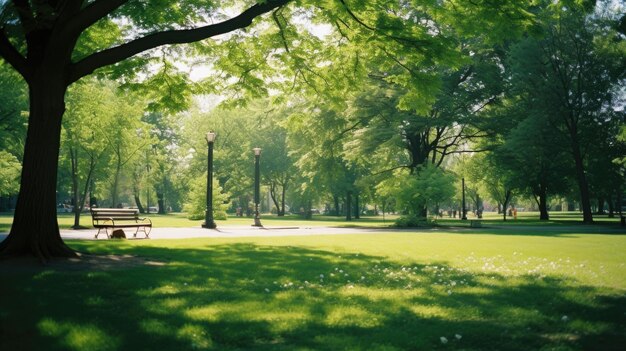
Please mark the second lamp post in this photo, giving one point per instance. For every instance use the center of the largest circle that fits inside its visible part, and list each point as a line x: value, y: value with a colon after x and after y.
x: 208, y: 220
x: 257, y: 191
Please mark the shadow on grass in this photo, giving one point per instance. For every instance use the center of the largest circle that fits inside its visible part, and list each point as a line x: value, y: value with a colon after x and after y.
x: 245, y: 296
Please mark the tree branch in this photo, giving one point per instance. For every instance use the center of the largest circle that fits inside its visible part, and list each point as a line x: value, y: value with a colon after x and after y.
x: 183, y: 36
x: 91, y: 14
x: 12, y: 56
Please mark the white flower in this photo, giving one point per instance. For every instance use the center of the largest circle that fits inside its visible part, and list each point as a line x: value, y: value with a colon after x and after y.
x: 458, y: 336
x: 321, y: 276
x: 362, y: 277
x: 267, y: 290
x: 341, y: 271
x: 449, y: 292
x: 564, y: 318
x: 443, y: 339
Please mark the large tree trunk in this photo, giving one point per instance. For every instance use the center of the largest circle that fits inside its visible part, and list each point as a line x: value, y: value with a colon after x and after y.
x: 600, y: 206
x: 74, y: 162
x: 543, y: 204
x: 35, y: 228
x: 138, y: 203
x: 505, y: 203
x: 583, y: 185
x: 611, y: 203
x: 116, y: 179
x: 349, y: 206
x: 281, y: 212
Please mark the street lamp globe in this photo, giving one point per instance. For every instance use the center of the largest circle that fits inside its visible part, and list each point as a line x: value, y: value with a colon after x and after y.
x: 257, y: 151
x: 210, y: 137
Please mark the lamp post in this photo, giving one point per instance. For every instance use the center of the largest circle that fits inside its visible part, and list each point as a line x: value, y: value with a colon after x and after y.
x: 208, y: 217
x: 464, y: 213
x: 257, y: 192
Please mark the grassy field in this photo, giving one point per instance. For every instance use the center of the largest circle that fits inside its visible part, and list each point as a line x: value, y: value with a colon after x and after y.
x: 515, y: 288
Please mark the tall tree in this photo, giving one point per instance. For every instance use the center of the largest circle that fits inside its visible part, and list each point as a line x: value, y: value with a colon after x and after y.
x: 51, y: 44
x: 49, y: 33
x: 569, y: 80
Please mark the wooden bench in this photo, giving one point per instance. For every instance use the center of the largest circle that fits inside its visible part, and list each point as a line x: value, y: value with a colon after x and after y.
x: 111, y: 218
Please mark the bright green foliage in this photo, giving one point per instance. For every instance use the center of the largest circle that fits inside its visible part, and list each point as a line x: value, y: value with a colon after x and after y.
x: 13, y: 111
x: 414, y: 192
x: 10, y: 169
x: 196, y: 203
x: 103, y: 133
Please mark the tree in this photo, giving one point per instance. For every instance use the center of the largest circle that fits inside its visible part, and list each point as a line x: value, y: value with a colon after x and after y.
x: 84, y: 138
x: 54, y: 43
x: 415, y: 193
x: 196, y: 205
x: 568, y: 78
x: 50, y: 33
x: 497, y: 181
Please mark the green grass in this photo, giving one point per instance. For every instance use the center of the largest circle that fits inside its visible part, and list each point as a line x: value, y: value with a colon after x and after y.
x: 505, y: 289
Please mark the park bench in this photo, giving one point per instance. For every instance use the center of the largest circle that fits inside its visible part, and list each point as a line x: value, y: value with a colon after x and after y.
x: 112, y: 218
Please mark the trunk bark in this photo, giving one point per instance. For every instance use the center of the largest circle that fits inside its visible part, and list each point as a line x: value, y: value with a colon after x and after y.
x: 583, y: 185
x: 116, y: 178
x: 543, y: 204
x: 273, y: 197
x: 138, y: 203
x: 600, y: 206
x: 281, y: 213
x: 505, y: 204
x: 161, y: 202
x: 357, y: 207
x: 611, y: 203
x: 349, y: 206
x: 74, y: 162
x: 35, y: 229
x: 336, y: 200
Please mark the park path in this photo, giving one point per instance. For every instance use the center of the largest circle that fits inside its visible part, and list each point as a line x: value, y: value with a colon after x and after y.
x: 249, y: 231
x: 225, y: 232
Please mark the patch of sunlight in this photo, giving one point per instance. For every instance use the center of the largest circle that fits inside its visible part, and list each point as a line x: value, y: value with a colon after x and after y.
x: 74, y: 336
x: 197, y: 337
x: 378, y: 295
x: 209, y: 313
x: 346, y: 316
x: 277, y: 316
x: 434, y: 311
x: 155, y: 326
x: 165, y: 306
x: 161, y: 290
x: 519, y: 315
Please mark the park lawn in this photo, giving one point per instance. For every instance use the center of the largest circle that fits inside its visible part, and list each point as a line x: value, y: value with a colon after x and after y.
x: 401, y: 291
